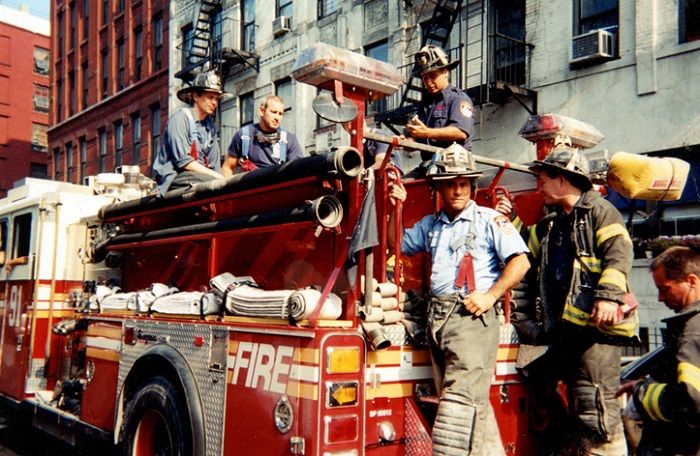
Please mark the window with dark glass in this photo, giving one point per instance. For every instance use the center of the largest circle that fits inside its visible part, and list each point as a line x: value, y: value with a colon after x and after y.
x: 157, y: 42
x: 86, y: 84
x: 59, y: 100
x: 248, y: 25
x: 138, y: 53
x: 57, y: 172
x: 105, y: 11
x: 187, y: 38
x: 40, y: 142
x: 21, y: 236
x: 73, y: 25
x: 216, y: 32
x: 118, y: 143
x: 689, y: 20
x: 120, y: 6
x: 41, y: 98
x: 102, y: 150
x: 247, y: 108
x: 41, y: 60
x: 71, y: 93
x: 326, y: 7
x: 105, y: 72
x: 284, y: 90
x: 285, y: 8
x: 135, y: 138
x: 86, y: 19
x: 509, y: 48
x: 59, y: 34
x: 83, y: 157
x: 379, y: 51
x: 38, y: 170
x: 120, y: 64
x: 69, y: 162
x: 155, y: 131
x: 596, y: 14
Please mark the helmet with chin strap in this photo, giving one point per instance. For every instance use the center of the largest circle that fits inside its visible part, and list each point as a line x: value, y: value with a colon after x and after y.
x: 568, y: 161
x: 454, y: 161
x: 431, y: 58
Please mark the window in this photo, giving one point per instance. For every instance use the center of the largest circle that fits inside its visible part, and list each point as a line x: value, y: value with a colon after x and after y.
x: 284, y: 8
x: 21, y: 236
x: 118, y: 143
x: 71, y: 93
x: 102, y: 152
x: 138, y: 53
x: 120, y: 64
x: 247, y: 109
x: 59, y: 35
x: 83, y: 157
x: 379, y: 51
x: 41, y: 98
x: 216, y: 32
x: 86, y: 84
x: 40, y: 142
x: 69, y: 162
x: 155, y: 131
x: 38, y: 170
x: 248, y: 25
x: 59, y: 100
x: 135, y: 138
x: 73, y: 25
x: 41, y: 61
x: 86, y: 19
x: 187, y: 38
x: 158, y: 42
x: 284, y: 90
x: 105, y: 72
x: 120, y: 6
x: 57, y: 174
x: 509, y: 48
x: 326, y: 7
x: 595, y: 14
x: 689, y: 20
x: 105, y: 11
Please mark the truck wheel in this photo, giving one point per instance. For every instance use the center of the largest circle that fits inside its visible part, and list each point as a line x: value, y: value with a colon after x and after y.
x: 157, y: 421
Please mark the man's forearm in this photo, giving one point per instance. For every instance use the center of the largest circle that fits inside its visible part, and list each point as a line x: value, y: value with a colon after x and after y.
x: 197, y: 167
x: 513, y: 272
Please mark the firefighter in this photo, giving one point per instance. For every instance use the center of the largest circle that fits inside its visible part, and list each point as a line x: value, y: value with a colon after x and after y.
x: 263, y: 144
x: 669, y: 399
x: 190, y: 150
x: 584, y: 255
x: 373, y: 152
x: 445, y: 115
x: 476, y: 255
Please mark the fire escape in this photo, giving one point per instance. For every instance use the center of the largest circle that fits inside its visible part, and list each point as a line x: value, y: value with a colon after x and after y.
x: 495, y: 58
x: 205, y: 49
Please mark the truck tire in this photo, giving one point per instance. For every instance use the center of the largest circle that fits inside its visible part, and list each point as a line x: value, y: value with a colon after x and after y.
x: 157, y: 421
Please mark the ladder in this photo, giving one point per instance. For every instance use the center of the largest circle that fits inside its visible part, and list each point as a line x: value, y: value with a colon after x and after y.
x: 200, y: 49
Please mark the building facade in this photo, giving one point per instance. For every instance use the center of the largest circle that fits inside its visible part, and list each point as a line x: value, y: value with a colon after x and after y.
x: 24, y: 96
x: 109, y: 85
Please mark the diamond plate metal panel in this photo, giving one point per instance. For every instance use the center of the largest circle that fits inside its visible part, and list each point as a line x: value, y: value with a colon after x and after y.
x: 508, y: 335
x: 398, y: 336
x: 210, y: 383
x: 37, y: 379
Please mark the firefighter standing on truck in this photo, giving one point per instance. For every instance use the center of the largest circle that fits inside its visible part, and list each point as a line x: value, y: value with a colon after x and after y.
x: 669, y: 399
x: 190, y: 150
x: 584, y: 255
x: 446, y: 114
x: 476, y: 256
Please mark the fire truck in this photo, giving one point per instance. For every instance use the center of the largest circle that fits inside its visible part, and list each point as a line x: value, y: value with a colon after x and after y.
x: 232, y: 317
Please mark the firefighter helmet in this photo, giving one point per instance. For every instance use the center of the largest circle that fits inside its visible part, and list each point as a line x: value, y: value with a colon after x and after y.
x: 207, y: 82
x: 431, y: 58
x: 454, y: 161
x: 568, y: 161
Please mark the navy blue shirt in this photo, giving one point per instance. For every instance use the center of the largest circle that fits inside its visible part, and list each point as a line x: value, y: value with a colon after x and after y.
x: 450, y: 107
x: 175, y: 151
x: 374, y: 148
x: 264, y: 154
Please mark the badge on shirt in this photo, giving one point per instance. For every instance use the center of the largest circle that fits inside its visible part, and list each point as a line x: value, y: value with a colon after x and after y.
x: 466, y: 109
x: 503, y: 224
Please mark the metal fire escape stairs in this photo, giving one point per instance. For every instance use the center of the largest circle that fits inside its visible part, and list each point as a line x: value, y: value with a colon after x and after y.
x: 206, y: 52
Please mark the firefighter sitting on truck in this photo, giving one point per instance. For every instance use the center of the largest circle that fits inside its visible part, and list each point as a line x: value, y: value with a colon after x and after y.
x: 476, y: 255
x: 8, y: 263
x: 584, y: 255
x: 263, y: 144
x: 190, y: 150
x: 445, y: 115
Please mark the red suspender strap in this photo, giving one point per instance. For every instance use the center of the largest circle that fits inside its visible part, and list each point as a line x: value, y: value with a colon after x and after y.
x: 465, y: 273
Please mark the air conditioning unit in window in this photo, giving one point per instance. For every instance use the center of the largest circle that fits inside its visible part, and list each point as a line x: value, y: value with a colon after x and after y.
x: 281, y: 25
x: 593, y: 47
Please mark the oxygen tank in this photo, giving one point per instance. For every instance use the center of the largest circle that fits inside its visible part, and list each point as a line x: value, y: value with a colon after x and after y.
x: 648, y: 178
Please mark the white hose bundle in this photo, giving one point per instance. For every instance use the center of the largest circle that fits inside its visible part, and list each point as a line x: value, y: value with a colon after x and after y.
x: 302, y: 303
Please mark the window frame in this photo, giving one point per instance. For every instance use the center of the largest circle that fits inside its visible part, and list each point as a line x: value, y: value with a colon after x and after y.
x: 373, y: 107
x: 101, y: 150
x: 584, y: 24
x: 155, y: 130
x: 82, y: 149
x: 684, y: 36
x: 69, y: 162
x: 325, y: 8
x: 247, y: 26
x: 158, y: 41
x: 138, y: 53
x: 281, y: 6
x: 242, y: 101
x: 135, y: 138
x: 118, y: 138
x: 121, y: 66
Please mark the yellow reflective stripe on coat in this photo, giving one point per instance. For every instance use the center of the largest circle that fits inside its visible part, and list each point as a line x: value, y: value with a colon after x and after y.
x: 623, y: 328
x: 650, y: 401
x: 575, y: 316
x: 609, y: 231
x: 533, y: 243
x: 593, y: 264
x: 517, y: 223
x: 614, y: 277
x: 689, y: 374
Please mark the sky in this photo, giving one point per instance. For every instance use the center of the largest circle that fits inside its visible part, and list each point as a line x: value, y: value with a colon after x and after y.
x: 38, y: 8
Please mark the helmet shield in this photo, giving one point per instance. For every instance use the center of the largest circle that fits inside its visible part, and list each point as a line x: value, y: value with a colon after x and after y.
x: 454, y: 161
x: 568, y: 161
x: 431, y: 58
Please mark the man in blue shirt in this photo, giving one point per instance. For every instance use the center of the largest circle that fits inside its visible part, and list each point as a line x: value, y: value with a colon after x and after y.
x: 263, y: 144
x: 476, y: 256
x: 190, y: 150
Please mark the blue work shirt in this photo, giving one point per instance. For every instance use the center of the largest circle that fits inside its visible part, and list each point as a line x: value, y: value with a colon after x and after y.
x: 492, y: 237
x: 450, y: 107
x: 373, y: 148
x: 264, y: 154
x: 175, y: 151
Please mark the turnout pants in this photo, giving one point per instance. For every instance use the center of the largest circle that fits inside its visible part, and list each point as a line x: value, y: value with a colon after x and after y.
x: 463, y: 350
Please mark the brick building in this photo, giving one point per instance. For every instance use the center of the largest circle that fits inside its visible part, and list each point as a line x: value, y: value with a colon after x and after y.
x: 109, y: 85
x: 24, y: 96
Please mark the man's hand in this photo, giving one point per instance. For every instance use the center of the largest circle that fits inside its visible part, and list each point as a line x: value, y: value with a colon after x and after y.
x: 417, y: 129
x: 503, y: 205
x: 626, y: 388
x: 396, y: 191
x: 477, y: 303
x: 605, y: 313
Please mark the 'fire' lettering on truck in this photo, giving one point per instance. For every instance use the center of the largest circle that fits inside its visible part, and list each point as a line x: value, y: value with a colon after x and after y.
x: 279, y: 369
